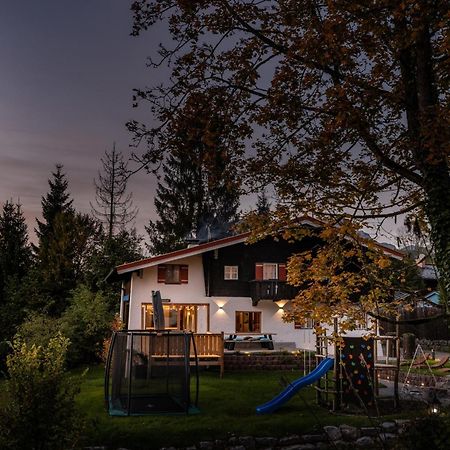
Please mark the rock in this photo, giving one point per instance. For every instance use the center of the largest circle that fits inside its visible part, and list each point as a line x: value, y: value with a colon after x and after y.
x: 369, y: 431
x: 206, y: 445
x: 365, y: 441
x: 192, y: 447
x: 299, y: 447
x: 294, y: 439
x: 237, y: 447
x: 333, y: 433
x: 349, y: 433
x: 248, y: 442
x: 313, y: 438
x: 402, y: 423
x: 389, y: 427
x: 263, y: 442
x: 388, y: 436
x: 218, y: 443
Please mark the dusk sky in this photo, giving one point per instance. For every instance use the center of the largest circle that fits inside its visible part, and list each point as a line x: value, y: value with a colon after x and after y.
x: 67, y: 73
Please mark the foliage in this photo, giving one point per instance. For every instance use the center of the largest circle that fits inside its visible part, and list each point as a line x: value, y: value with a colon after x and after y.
x: 200, y: 191
x: 39, y: 412
x: 86, y: 322
x: 56, y: 201
x: 113, y: 206
x: 15, y: 251
x: 38, y: 329
x: 122, y: 247
x: 15, y: 263
x: 344, y: 277
x: 431, y: 432
x: 345, y: 104
x: 116, y: 325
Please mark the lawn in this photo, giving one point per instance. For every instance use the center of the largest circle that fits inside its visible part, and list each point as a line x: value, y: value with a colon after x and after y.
x: 226, y: 406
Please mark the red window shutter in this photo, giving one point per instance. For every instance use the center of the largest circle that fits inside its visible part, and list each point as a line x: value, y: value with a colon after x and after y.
x: 161, y: 273
x: 184, y: 274
x: 258, y: 271
x: 282, y: 272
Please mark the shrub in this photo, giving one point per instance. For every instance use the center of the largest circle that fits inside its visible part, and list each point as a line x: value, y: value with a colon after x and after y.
x: 38, y: 329
x: 38, y: 411
x: 86, y: 322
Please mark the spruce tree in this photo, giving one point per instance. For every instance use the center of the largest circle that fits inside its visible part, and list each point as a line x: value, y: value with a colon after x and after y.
x: 15, y: 251
x: 15, y: 263
x: 113, y: 206
x: 55, y: 202
x: 199, y: 192
x: 65, y: 240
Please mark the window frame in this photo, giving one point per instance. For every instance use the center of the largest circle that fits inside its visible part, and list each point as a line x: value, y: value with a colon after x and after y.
x: 251, y: 314
x: 231, y: 271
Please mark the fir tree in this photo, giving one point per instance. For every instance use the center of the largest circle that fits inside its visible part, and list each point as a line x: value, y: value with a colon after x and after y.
x: 56, y: 201
x: 15, y: 263
x: 65, y: 240
x: 113, y: 206
x: 199, y: 193
x: 15, y: 251
x: 262, y: 204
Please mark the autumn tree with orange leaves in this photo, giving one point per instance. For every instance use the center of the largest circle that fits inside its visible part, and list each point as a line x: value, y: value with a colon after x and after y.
x: 343, y: 105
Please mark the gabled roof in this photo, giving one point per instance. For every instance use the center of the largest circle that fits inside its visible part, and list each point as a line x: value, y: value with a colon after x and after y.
x: 183, y: 253
x: 215, y: 245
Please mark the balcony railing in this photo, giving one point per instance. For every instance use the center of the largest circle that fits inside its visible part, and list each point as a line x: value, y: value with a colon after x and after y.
x: 271, y: 290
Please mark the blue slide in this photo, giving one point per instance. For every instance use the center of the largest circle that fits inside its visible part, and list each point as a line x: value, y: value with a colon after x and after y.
x: 295, y: 386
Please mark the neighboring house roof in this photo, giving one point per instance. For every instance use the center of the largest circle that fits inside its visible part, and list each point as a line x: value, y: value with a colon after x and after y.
x: 433, y: 297
x: 429, y: 272
x: 215, y: 245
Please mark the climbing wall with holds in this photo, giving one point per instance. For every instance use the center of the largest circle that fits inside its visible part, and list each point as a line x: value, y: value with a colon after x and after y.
x: 357, y: 371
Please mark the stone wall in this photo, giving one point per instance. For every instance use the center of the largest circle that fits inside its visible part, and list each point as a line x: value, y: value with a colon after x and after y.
x: 276, y: 361
x: 344, y: 436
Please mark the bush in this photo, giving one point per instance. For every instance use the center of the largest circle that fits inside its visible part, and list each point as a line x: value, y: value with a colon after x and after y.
x: 38, y: 411
x: 38, y: 329
x: 86, y: 322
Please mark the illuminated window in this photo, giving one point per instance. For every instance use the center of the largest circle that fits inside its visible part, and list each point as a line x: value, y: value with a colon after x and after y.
x: 176, y: 317
x: 231, y: 272
x: 248, y: 322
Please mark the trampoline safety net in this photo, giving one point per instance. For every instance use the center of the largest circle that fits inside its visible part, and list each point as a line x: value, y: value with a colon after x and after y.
x: 150, y: 373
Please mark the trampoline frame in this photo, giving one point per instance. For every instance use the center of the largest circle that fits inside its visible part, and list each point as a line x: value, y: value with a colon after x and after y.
x: 188, y: 361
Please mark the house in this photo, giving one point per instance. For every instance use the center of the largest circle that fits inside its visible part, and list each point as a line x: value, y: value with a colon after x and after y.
x: 227, y: 285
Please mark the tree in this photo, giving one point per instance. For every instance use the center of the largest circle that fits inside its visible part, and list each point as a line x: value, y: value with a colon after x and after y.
x: 200, y: 191
x: 114, y: 207
x: 56, y: 201
x: 122, y: 247
x: 15, y: 263
x: 262, y: 203
x: 66, y: 239
x: 15, y: 251
x: 345, y: 104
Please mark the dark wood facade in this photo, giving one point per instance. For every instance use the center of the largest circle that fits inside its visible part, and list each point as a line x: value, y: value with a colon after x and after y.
x: 246, y: 257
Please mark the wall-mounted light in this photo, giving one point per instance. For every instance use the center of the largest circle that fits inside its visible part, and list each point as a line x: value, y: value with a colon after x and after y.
x: 281, y: 304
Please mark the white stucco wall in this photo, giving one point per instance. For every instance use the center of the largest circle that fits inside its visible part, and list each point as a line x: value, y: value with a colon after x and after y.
x: 219, y: 319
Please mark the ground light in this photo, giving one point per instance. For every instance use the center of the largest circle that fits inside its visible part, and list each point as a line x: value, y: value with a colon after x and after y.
x: 434, y: 406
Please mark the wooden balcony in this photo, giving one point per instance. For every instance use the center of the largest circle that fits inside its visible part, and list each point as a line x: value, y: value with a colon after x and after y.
x: 271, y: 290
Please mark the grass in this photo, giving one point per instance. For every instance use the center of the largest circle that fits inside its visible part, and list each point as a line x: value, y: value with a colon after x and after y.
x: 227, y: 406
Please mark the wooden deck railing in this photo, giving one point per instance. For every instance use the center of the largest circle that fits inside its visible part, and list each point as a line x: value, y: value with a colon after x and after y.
x: 210, y: 349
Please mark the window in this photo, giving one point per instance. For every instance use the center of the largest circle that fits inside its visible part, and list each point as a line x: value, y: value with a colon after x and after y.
x: 173, y: 273
x: 248, y: 322
x: 231, y: 272
x: 308, y: 323
x: 176, y: 317
x: 270, y: 271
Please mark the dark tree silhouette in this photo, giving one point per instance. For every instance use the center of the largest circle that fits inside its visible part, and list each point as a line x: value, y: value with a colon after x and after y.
x: 113, y: 206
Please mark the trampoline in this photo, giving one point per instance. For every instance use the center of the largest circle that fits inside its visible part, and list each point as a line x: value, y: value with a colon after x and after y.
x: 149, y: 372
